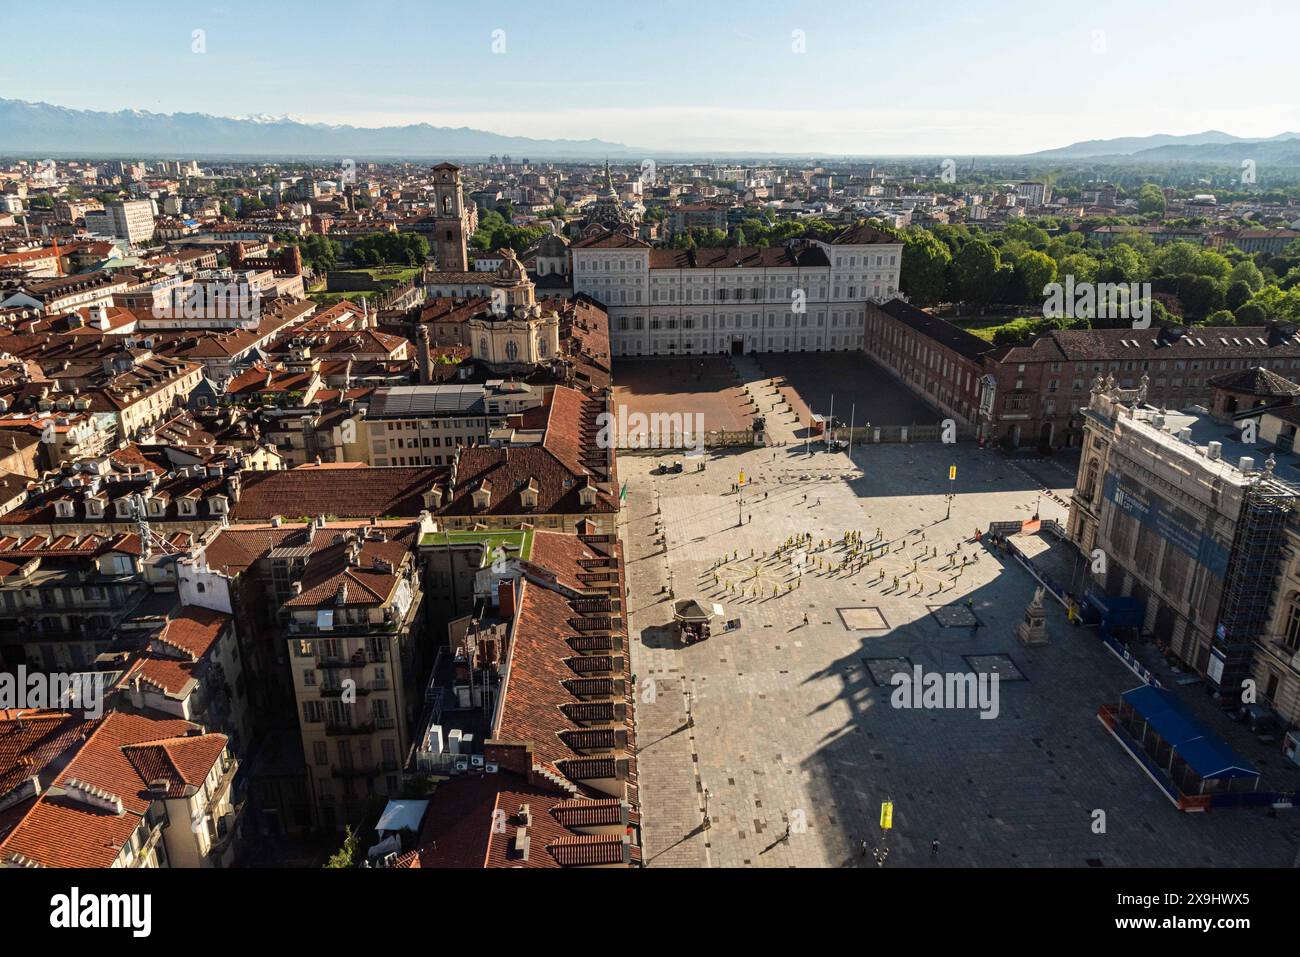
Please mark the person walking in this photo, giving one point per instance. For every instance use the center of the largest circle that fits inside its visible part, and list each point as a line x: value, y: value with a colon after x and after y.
x: 934, y: 849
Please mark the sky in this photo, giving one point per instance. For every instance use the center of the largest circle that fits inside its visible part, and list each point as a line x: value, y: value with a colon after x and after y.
x: 875, y: 77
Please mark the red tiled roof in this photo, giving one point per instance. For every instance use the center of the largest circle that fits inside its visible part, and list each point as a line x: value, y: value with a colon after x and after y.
x: 194, y: 630
x: 59, y: 831
x: 31, y: 740
x: 345, y: 493
x: 473, y: 821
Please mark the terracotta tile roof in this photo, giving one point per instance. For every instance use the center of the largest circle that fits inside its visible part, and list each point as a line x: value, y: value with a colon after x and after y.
x: 183, y: 762
x: 507, y: 471
x: 171, y: 676
x: 863, y: 233
x: 58, y: 830
x: 1257, y: 381
x: 587, y: 850
x: 31, y: 740
x: 473, y: 821
x: 328, y: 576
x: 588, y: 813
x: 194, y: 630
x: 345, y: 493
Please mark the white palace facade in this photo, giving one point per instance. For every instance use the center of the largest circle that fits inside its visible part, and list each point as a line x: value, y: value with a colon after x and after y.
x: 805, y: 296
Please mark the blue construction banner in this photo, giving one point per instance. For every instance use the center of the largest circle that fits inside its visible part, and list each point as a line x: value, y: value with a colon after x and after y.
x: 1155, y: 513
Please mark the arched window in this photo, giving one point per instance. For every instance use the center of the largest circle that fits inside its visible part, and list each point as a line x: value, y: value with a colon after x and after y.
x: 541, y: 348
x: 446, y: 204
x: 512, y: 350
x: 483, y: 347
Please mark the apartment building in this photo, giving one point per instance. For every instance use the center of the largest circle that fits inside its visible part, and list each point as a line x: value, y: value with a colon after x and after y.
x: 54, y: 297
x: 1196, y: 521
x: 345, y: 601
x: 424, y: 425
x: 133, y: 791
x: 806, y: 296
x: 62, y: 597
x: 130, y: 219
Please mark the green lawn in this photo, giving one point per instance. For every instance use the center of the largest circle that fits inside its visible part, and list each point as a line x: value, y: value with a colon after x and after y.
x: 517, y: 541
x: 982, y: 326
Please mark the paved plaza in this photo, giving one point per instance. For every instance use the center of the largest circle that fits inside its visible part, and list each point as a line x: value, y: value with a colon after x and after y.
x: 782, y: 732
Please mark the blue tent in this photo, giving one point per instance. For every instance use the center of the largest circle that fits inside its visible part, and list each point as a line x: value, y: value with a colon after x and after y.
x: 1207, y: 754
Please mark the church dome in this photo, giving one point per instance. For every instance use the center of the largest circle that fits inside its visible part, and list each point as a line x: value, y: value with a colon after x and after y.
x: 511, y: 269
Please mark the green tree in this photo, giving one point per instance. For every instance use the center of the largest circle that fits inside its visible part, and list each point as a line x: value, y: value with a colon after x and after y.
x: 1151, y: 200
x: 346, y: 856
x: 1122, y: 263
x: 1247, y: 272
x: 923, y: 275
x: 1200, y: 295
x: 1034, y: 270
x: 1238, y: 295
x: 1081, y: 266
x: 974, y: 271
x: 1251, y: 314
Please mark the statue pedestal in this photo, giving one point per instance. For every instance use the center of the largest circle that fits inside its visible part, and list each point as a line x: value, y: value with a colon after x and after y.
x: 1033, y: 629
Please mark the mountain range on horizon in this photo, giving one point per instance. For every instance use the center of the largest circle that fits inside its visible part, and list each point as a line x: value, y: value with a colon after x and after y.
x: 44, y: 128
x: 33, y: 128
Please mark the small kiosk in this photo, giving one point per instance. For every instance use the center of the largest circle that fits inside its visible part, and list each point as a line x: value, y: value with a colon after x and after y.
x: 692, y: 618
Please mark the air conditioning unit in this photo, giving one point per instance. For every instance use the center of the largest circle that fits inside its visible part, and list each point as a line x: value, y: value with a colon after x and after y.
x: 490, y: 767
x: 476, y: 760
x: 462, y: 765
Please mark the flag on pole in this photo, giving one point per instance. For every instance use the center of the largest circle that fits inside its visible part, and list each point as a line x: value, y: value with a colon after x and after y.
x: 622, y: 495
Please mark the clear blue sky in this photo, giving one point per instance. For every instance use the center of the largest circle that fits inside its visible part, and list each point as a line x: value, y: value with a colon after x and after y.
x: 877, y: 76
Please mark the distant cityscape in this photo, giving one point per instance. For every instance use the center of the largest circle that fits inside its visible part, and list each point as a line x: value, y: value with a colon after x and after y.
x: 425, y: 505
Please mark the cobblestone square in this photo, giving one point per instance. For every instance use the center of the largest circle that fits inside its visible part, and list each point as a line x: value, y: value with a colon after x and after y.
x: 780, y: 738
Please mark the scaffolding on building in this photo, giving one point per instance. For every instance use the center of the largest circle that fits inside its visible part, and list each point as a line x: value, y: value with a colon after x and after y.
x: 1257, y: 552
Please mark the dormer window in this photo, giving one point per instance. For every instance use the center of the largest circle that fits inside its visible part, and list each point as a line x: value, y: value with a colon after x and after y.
x: 482, y: 496
x: 63, y: 508
x: 94, y: 508
x: 123, y: 506
x: 186, y: 506
x: 528, y: 494
x: 217, y: 505
x: 156, y: 506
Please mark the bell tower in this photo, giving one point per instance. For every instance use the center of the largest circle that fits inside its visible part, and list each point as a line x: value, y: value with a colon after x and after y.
x: 449, y: 240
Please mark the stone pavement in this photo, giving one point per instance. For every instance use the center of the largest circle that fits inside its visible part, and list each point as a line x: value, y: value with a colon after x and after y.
x: 780, y: 730
x: 767, y: 397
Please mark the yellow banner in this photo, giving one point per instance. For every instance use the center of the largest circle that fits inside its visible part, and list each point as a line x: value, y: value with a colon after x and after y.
x: 886, y: 815
x: 952, y: 473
